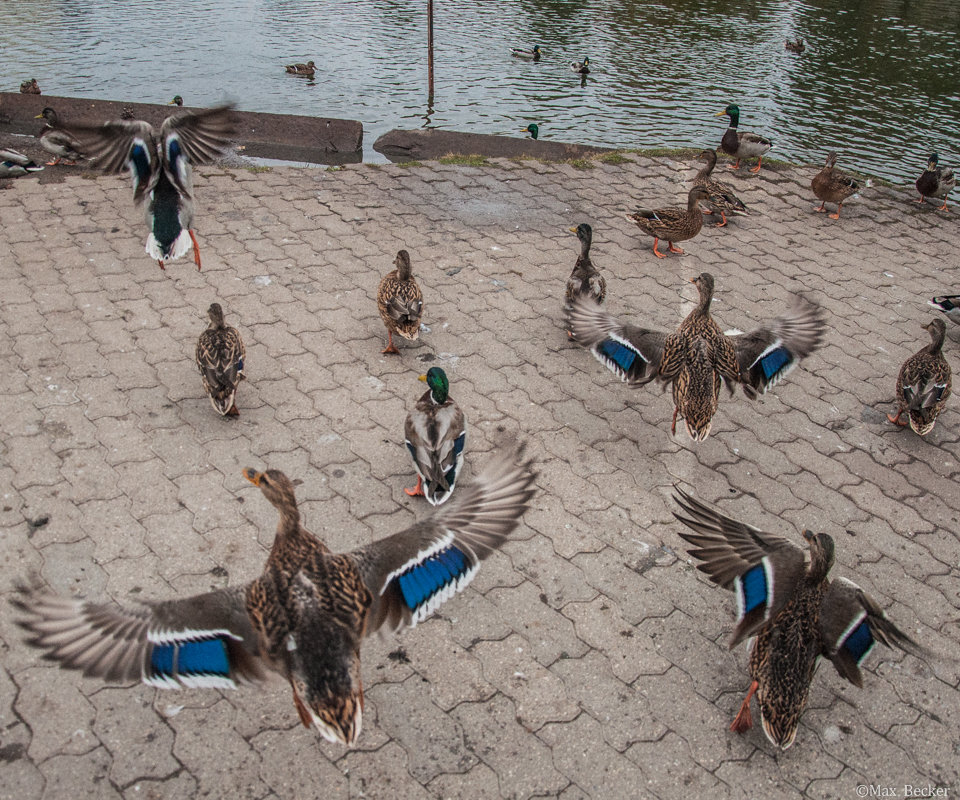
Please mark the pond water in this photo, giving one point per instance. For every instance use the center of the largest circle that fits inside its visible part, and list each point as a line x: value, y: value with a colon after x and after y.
x: 877, y: 81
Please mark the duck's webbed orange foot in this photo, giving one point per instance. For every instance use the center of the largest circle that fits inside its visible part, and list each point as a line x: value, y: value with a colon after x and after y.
x: 822, y: 207
x: 656, y: 252
x: 896, y: 420
x: 744, y: 720
x: 757, y: 168
x: 391, y: 348
x: 196, y: 249
x: 722, y: 222
x: 673, y: 248
x: 416, y: 491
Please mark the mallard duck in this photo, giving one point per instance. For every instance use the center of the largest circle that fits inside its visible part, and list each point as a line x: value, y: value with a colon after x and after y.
x: 949, y: 304
x: 177, y: 101
x: 936, y: 181
x: 721, y: 196
x: 14, y: 164
x: 400, y: 302
x: 160, y: 164
x: 674, y: 223
x: 585, y: 279
x: 530, y: 55
x: 307, y: 69
x: 533, y: 129
x: 54, y: 139
x: 435, y: 434
x: 794, y: 610
x: 307, y: 614
x: 795, y: 47
x: 220, y: 359
x: 741, y: 144
x: 833, y: 186
x: 30, y: 87
x: 698, y: 358
x: 582, y: 67
x: 923, y: 384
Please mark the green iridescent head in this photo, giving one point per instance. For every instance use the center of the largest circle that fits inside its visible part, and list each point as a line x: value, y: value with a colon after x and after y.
x: 533, y: 129
x: 436, y: 379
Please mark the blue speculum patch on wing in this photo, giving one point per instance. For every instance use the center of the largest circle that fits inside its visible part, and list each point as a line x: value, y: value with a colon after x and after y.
x: 774, y: 361
x: 859, y: 642
x: 753, y: 583
x: 618, y: 353
x: 204, y: 657
x: 424, y: 580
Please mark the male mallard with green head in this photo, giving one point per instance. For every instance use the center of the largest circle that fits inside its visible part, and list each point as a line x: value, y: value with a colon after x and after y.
x: 936, y: 181
x: 55, y: 139
x: 792, y: 608
x: 742, y: 144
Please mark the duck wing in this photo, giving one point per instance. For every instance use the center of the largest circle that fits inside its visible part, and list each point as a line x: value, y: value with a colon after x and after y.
x: 200, y: 641
x: 119, y: 145
x: 851, y: 623
x: 768, y: 353
x: 632, y: 353
x: 195, y: 137
x: 763, y: 570
x: 413, y: 572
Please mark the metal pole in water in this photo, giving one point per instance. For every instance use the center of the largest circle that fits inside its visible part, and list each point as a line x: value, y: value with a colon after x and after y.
x: 430, y: 48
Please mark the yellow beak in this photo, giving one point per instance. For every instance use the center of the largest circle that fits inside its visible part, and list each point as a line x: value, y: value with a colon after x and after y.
x: 720, y: 114
x: 422, y: 378
x: 572, y: 230
x: 39, y: 116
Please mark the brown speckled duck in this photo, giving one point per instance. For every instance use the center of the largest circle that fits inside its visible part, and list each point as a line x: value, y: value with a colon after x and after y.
x: 791, y: 606
x: 699, y: 357
x: 923, y: 384
x: 722, y: 197
x: 833, y: 186
x: 220, y: 358
x: 936, y: 181
x: 306, y: 70
x: 304, y: 617
x: 673, y: 223
x: 400, y: 302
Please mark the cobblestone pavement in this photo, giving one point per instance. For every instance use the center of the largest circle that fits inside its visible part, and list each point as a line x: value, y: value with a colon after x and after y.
x: 589, y: 657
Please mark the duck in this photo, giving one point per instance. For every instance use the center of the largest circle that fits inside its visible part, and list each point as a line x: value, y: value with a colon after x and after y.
x: 741, y: 144
x: 533, y: 129
x: 924, y: 382
x: 307, y: 69
x: 795, y: 47
x: 305, y: 616
x: 674, y: 223
x: 529, y: 55
x: 585, y: 279
x: 582, y: 67
x: 30, y: 87
x: 161, y: 165
x: 833, y: 186
x: 949, y: 304
x: 699, y: 357
x: 936, y: 181
x: 722, y: 197
x: 177, y: 101
x: 796, y: 613
x: 14, y: 164
x: 400, y: 302
x: 435, y: 433
x: 220, y: 358
x: 56, y: 140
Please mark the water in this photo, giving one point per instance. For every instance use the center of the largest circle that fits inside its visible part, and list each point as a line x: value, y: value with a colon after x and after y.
x: 877, y: 81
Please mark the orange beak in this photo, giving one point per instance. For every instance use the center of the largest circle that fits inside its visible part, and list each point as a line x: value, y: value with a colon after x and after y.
x: 252, y: 475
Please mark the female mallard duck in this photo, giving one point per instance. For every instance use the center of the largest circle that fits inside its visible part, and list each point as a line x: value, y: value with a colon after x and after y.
x: 741, y: 144
x: 795, y: 47
x: 14, y: 164
x: 923, y: 384
x: 400, y: 302
x: 949, y: 304
x: 529, y: 55
x: 833, y: 186
x: 56, y: 140
x: 936, y: 181
x: 585, y: 279
x: 436, y: 435
x: 794, y: 610
x: 581, y: 67
x: 533, y: 129
x: 722, y: 198
x: 161, y: 168
x: 307, y: 69
x: 698, y: 358
x: 30, y: 87
x: 675, y: 224
x: 220, y: 356
x: 304, y: 617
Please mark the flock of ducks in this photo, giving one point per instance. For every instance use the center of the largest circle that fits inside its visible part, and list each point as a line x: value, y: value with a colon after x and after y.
x: 307, y: 614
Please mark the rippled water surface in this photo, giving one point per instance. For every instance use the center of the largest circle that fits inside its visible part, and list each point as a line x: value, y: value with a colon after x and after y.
x: 877, y: 81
